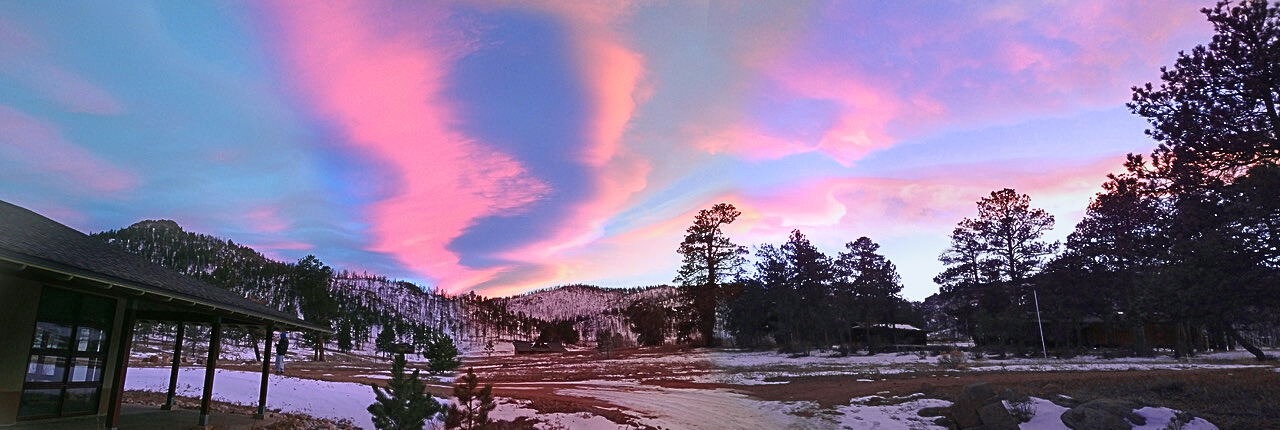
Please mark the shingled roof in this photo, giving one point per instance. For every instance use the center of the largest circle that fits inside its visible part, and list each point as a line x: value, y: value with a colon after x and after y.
x: 30, y: 240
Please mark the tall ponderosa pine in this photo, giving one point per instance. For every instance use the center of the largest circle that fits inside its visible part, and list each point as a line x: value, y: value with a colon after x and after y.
x: 1218, y: 108
x: 311, y: 280
x: 1216, y: 115
x: 991, y: 259
x: 471, y: 407
x: 710, y: 259
x: 1010, y: 231
x: 404, y: 404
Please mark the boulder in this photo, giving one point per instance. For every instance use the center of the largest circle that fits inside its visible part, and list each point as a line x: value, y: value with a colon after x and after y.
x: 979, y: 391
x: 964, y: 410
x: 1103, y: 414
x: 996, y: 417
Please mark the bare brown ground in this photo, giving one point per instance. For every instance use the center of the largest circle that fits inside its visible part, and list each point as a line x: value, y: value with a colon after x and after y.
x: 1231, y: 398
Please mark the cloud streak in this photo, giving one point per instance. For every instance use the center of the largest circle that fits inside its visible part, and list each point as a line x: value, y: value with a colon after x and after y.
x: 381, y: 85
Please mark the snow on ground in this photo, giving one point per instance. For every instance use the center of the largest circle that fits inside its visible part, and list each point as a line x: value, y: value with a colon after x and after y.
x: 901, y: 416
x: 509, y: 410
x: 695, y: 409
x: 326, y: 399
x: 675, y: 408
x: 1159, y: 418
x: 758, y: 368
x: 1048, y: 416
x: 1060, y: 366
x: 337, y: 400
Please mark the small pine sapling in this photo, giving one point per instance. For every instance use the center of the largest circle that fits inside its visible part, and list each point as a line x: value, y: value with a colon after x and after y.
x: 470, y: 410
x: 404, y: 404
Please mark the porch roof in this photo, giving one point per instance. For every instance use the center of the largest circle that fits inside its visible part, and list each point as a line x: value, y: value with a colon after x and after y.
x: 32, y: 243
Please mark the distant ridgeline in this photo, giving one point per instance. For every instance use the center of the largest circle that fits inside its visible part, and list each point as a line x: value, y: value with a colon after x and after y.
x: 367, y: 303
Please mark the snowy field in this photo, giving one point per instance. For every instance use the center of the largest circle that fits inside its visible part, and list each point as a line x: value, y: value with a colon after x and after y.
x: 759, y: 368
x: 711, y: 402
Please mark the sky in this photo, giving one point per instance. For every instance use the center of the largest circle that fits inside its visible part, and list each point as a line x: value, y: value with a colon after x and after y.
x: 497, y: 146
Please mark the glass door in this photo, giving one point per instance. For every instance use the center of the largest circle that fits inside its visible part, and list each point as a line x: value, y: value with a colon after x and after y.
x: 68, y: 355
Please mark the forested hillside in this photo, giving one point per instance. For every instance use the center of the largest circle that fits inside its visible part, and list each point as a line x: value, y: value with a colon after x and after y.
x: 358, y: 306
x: 368, y: 311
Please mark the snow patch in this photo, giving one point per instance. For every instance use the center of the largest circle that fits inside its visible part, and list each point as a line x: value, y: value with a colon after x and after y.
x: 325, y: 399
x: 1159, y: 418
x: 1048, y: 416
x: 901, y: 416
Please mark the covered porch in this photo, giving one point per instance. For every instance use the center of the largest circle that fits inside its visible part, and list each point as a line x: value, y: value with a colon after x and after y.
x: 71, y: 305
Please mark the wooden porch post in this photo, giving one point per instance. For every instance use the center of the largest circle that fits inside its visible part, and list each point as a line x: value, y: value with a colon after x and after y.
x: 266, y: 370
x: 177, y: 359
x: 215, y: 343
x: 122, y: 365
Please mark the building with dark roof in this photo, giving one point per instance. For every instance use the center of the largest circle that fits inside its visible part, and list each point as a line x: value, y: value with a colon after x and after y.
x: 68, y: 306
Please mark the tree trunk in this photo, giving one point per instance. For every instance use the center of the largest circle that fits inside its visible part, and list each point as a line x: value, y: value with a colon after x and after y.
x: 1235, y: 335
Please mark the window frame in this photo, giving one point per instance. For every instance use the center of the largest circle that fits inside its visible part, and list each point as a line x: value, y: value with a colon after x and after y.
x: 69, y: 354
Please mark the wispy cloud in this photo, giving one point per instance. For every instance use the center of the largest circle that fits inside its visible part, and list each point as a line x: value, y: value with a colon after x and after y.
x: 381, y: 84
x: 36, y: 152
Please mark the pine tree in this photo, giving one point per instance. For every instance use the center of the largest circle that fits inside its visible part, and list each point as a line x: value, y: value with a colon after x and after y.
x: 386, y: 338
x: 710, y: 258
x: 344, y: 336
x: 404, y: 404
x: 311, y: 280
x: 470, y: 410
x: 442, y: 353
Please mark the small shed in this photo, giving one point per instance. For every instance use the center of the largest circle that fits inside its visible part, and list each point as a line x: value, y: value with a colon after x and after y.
x: 68, y: 306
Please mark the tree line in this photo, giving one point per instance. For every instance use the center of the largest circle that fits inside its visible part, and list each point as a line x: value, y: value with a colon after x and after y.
x: 1185, y: 241
x: 794, y: 296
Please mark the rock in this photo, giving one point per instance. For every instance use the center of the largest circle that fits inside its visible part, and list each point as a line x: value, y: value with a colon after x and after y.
x: 979, y: 391
x: 936, y: 411
x: 965, y: 415
x: 964, y: 411
x: 1052, y: 388
x: 996, y: 417
x: 943, y: 422
x: 1103, y: 414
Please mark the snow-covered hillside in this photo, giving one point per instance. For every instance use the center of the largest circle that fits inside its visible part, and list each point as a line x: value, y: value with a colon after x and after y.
x: 574, y: 301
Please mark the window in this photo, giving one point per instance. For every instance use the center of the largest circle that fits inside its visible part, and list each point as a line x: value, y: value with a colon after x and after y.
x: 68, y: 355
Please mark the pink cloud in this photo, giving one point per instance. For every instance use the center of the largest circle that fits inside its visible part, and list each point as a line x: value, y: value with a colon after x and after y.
x: 979, y: 66
x: 934, y: 200
x: 27, y: 61
x: 613, y: 74
x: 46, y: 156
x: 266, y: 219
x: 381, y: 81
